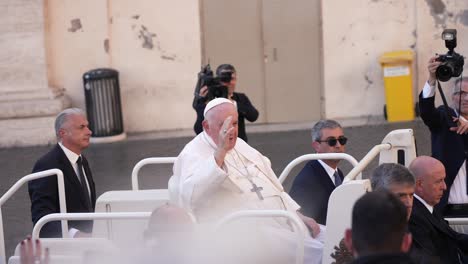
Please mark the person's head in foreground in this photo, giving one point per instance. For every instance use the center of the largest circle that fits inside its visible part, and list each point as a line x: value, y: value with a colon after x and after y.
x: 378, y: 225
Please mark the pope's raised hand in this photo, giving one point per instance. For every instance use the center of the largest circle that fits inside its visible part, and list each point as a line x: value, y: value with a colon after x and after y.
x: 226, y: 134
x: 225, y: 140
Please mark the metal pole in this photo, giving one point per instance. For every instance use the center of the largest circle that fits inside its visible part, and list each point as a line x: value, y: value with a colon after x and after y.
x: 85, y: 216
x: 315, y: 156
x: 18, y: 185
x: 143, y: 162
x: 297, y: 225
x: 366, y: 160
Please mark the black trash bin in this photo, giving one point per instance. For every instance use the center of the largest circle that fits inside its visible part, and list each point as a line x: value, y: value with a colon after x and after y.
x: 103, y: 105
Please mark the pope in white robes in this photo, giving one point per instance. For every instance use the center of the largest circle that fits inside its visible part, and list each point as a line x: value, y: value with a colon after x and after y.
x: 217, y: 174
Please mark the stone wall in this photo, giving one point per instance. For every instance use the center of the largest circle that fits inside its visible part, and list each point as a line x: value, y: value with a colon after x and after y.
x: 155, y: 45
x: 357, y: 33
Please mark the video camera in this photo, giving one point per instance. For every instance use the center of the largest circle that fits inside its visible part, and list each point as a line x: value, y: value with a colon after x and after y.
x: 452, y: 62
x: 215, y: 85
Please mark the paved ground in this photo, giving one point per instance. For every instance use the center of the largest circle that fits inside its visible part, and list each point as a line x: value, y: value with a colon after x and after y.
x: 112, y: 163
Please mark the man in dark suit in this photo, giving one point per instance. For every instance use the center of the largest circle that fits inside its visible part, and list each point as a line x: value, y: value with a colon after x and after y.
x: 312, y: 187
x: 449, y: 140
x: 73, y: 134
x: 378, y: 230
x: 431, y: 233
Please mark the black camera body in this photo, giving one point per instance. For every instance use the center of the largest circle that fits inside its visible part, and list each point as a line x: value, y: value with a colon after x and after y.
x: 215, y: 85
x: 452, y: 62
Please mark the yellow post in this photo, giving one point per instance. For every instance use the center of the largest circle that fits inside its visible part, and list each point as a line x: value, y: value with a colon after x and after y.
x: 398, y: 82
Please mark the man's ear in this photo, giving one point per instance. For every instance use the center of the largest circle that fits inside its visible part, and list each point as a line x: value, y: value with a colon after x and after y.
x: 315, y: 146
x: 348, y: 239
x: 406, y: 242
x: 418, y: 185
x: 205, y: 125
x: 62, y: 132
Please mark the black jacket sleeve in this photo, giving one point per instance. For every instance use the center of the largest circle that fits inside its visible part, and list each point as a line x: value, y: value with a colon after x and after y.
x: 245, y: 107
x: 199, y: 108
x: 434, y: 118
x: 43, y: 193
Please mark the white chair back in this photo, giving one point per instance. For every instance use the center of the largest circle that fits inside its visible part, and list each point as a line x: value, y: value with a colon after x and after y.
x: 340, y: 207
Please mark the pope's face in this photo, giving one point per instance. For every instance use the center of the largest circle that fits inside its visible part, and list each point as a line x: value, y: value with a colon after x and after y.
x: 214, y: 126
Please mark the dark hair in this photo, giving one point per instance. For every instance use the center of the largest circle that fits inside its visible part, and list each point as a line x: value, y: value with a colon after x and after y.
x: 225, y: 68
x: 387, y: 174
x: 378, y: 223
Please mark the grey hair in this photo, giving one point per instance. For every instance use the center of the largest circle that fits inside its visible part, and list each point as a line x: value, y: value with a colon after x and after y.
x: 457, y: 83
x: 322, y: 124
x: 388, y: 174
x: 62, y: 117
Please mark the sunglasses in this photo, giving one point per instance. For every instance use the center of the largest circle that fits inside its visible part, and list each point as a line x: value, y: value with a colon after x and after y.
x: 332, y: 141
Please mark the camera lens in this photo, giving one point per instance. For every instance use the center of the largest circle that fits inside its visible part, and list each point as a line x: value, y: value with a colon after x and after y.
x: 444, y: 73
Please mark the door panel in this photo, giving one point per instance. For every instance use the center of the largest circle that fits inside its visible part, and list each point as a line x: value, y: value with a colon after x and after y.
x: 232, y: 34
x: 292, y: 60
x: 275, y: 47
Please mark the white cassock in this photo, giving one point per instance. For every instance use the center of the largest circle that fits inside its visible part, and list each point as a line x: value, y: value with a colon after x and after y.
x: 246, y: 182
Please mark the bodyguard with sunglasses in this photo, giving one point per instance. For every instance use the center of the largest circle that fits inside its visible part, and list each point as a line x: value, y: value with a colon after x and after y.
x: 312, y: 187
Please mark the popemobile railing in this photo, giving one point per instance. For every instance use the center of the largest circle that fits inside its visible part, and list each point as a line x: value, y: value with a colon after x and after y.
x: 147, y: 161
x: 315, y: 156
x: 85, y: 216
x: 19, y: 184
x: 299, y: 228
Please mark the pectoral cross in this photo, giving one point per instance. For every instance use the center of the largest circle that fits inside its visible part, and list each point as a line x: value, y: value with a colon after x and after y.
x: 257, y: 190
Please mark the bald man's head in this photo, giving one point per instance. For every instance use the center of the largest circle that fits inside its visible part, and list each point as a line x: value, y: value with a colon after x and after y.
x: 430, y: 175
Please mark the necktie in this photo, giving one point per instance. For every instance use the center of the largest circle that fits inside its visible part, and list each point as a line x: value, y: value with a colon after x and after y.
x: 84, y: 188
x: 337, y: 178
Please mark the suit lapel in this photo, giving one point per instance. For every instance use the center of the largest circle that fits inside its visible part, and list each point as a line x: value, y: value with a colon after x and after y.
x: 68, y: 171
x: 70, y: 174
x: 324, y: 177
x: 433, y: 219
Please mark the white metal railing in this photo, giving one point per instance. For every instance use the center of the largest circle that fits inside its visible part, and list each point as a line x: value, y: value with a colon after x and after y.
x: 366, y: 160
x: 457, y: 221
x: 85, y: 216
x: 315, y: 156
x: 294, y: 218
x: 21, y: 182
x: 143, y: 162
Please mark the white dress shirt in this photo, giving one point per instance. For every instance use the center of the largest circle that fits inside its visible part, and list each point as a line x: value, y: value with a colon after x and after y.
x: 73, y: 158
x: 429, y: 207
x: 330, y: 171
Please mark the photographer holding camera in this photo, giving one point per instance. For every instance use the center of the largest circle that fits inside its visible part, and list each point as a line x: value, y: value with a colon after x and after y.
x: 223, y: 85
x: 449, y: 126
